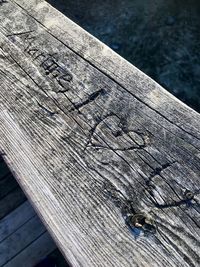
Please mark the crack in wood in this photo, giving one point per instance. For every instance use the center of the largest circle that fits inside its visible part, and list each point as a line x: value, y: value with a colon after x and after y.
x: 186, y: 200
x: 46, y: 110
x: 158, y: 171
x: 150, y: 185
x: 173, y: 204
x: 18, y: 33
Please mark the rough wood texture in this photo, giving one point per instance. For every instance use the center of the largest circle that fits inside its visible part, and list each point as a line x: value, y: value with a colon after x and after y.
x: 94, y: 142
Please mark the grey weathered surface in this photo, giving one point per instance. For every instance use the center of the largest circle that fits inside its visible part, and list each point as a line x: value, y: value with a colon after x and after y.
x: 91, y: 139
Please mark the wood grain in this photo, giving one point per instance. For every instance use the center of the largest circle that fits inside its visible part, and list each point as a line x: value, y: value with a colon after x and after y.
x: 94, y: 142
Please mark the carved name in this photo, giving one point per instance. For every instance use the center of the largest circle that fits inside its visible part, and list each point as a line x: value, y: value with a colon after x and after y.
x: 112, y: 133
x: 49, y: 62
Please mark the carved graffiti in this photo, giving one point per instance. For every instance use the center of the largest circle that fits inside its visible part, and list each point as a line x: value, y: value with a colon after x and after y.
x: 53, y: 68
x: 49, y: 62
x: 112, y: 133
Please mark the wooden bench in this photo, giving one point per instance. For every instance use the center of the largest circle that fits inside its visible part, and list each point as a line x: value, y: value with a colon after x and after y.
x: 108, y: 158
x: 24, y: 241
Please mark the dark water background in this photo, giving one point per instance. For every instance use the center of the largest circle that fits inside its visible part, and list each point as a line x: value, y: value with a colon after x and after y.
x: 161, y: 38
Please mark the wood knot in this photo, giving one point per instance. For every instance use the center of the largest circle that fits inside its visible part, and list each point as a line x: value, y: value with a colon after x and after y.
x: 141, y: 221
x: 188, y: 195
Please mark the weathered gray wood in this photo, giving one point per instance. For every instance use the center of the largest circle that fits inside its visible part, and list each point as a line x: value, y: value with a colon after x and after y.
x: 91, y: 140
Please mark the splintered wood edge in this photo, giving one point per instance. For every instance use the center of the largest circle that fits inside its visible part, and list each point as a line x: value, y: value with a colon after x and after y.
x: 96, y: 145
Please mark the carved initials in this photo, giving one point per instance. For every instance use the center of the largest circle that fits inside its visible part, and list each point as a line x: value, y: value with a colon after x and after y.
x: 49, y: 62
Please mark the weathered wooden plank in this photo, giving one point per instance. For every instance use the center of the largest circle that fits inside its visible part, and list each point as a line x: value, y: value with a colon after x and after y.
x: 15, y: 219
x: 39, y: 249
x: 20, y: 239
x: 97, y: 142
x: 11, y: 202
